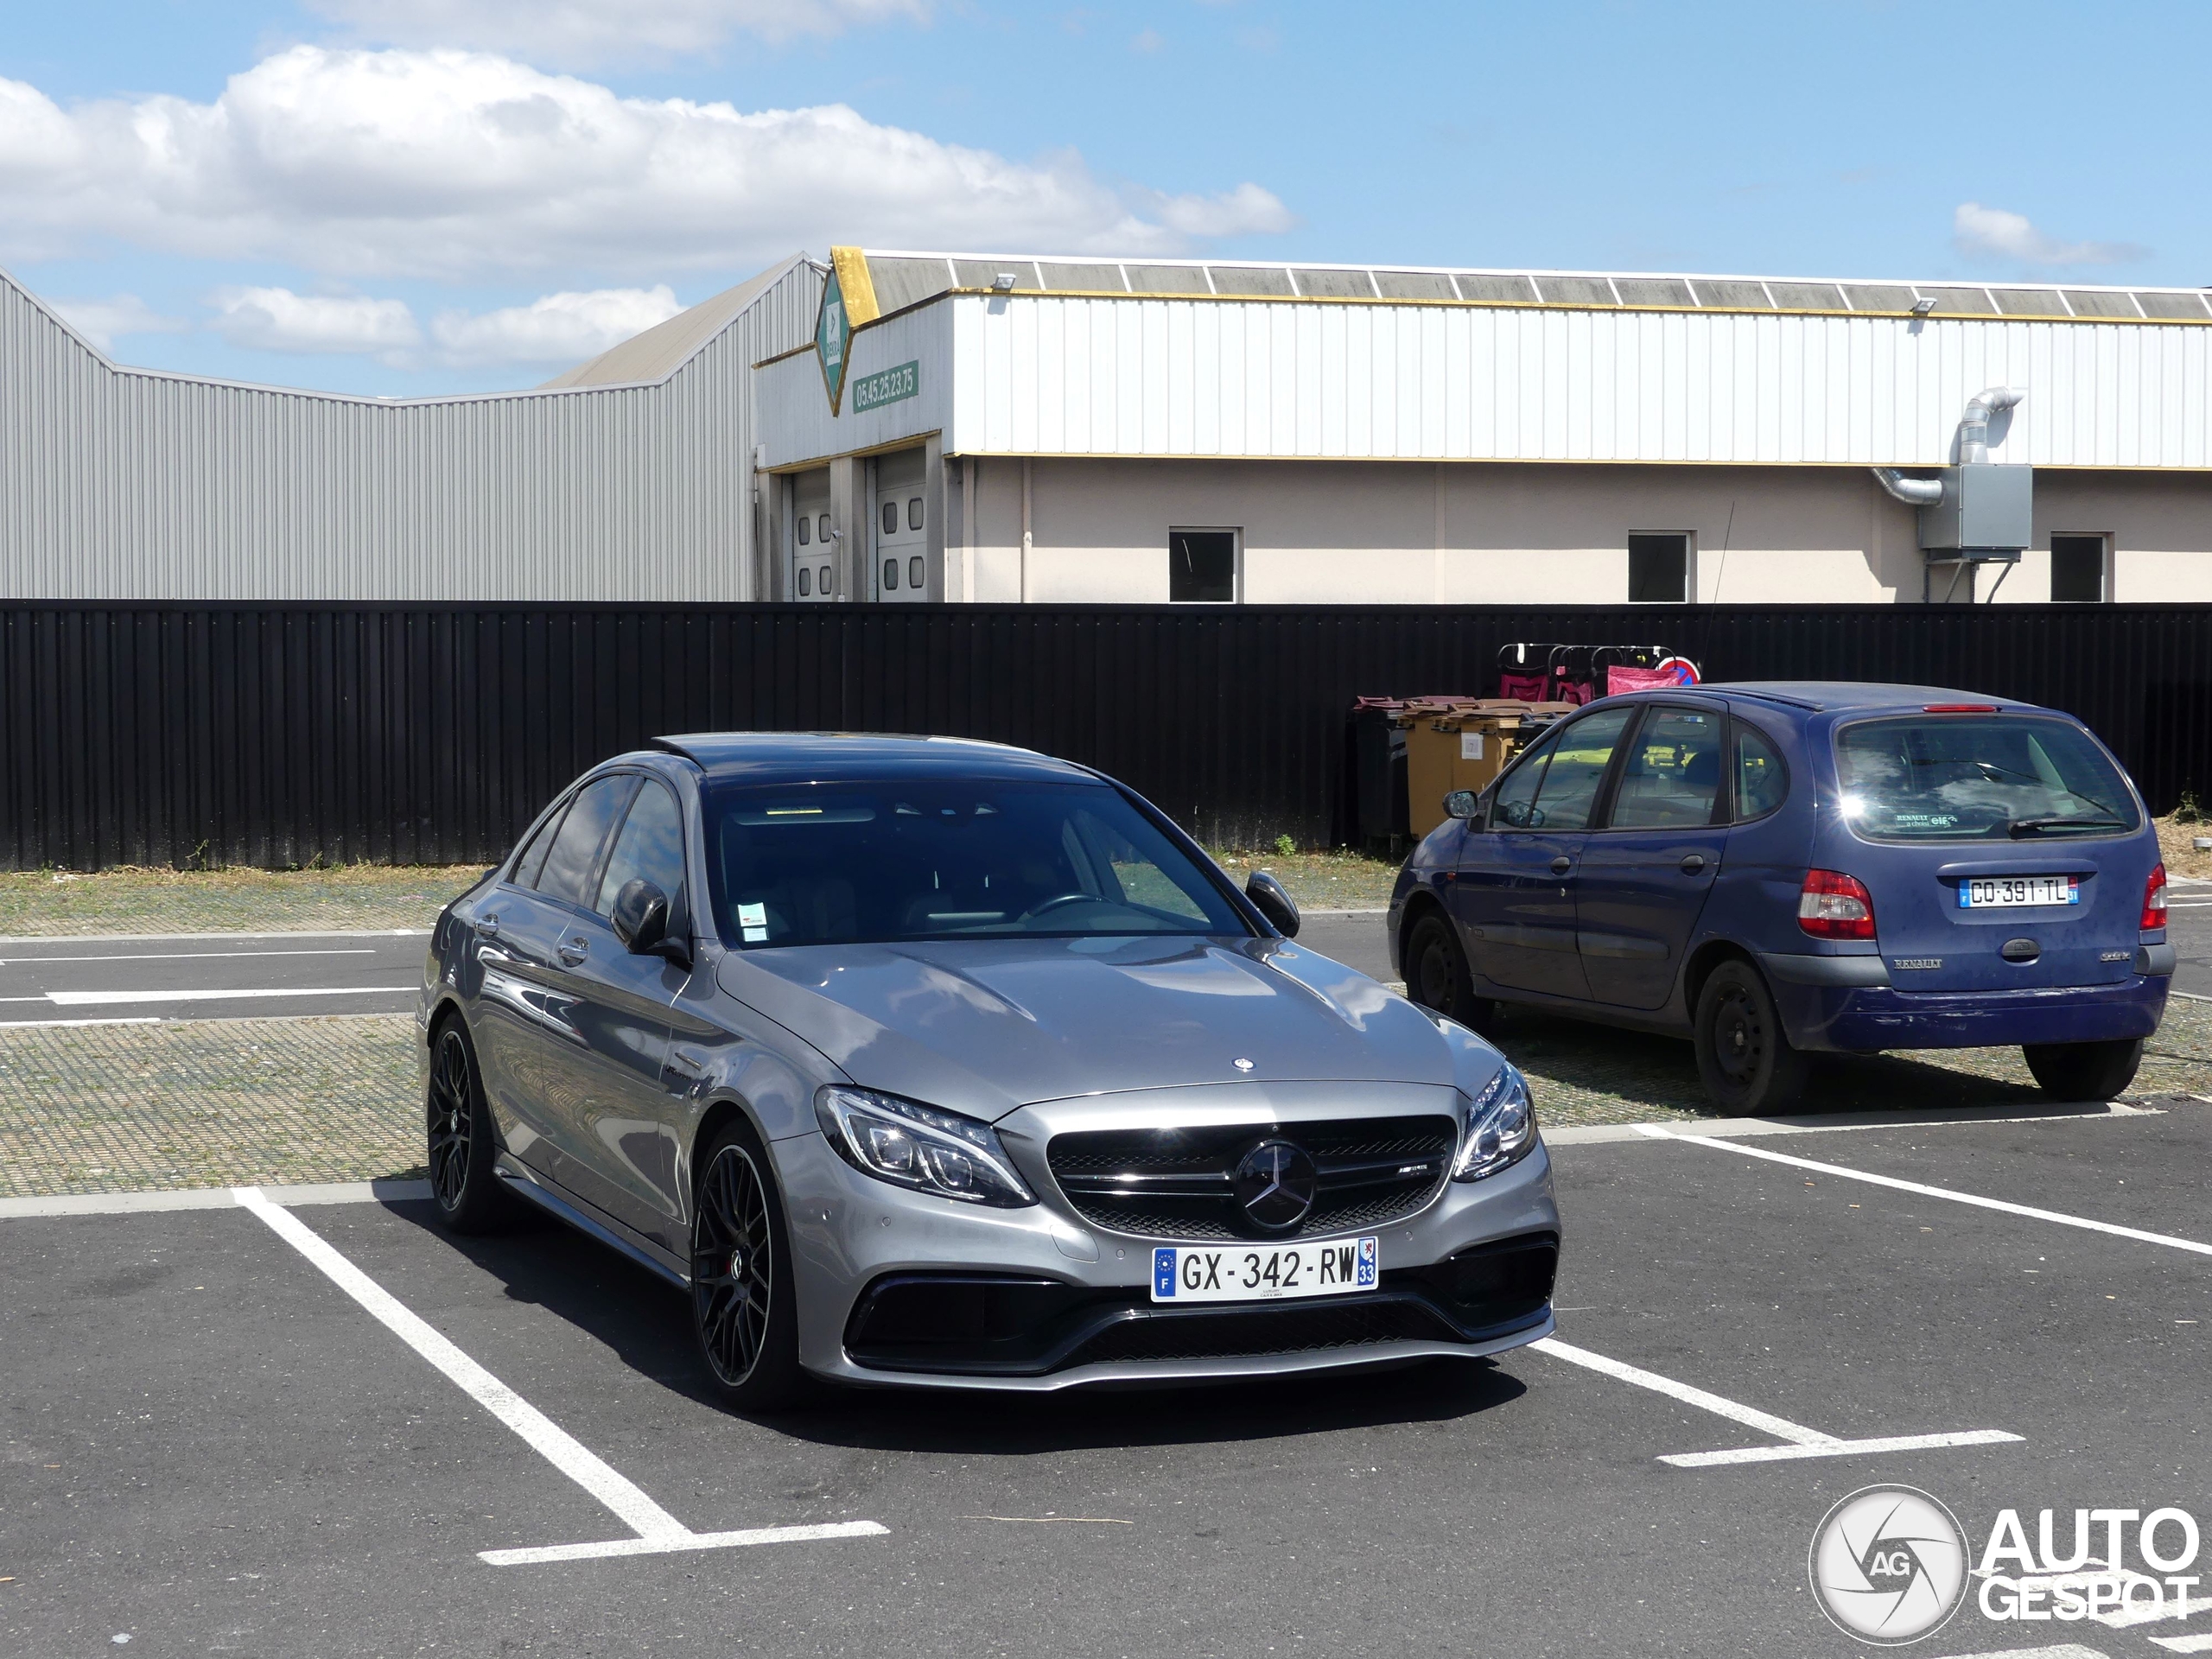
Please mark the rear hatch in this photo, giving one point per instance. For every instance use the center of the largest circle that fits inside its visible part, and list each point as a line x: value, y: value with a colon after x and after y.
x: 2004, y: 850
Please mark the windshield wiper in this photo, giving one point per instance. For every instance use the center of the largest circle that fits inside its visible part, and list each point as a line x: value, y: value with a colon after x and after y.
x: 1988, y: 767
x: 2019, y: 827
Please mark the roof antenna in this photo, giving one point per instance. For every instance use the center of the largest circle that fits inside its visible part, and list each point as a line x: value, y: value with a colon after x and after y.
x: 1721, y: 574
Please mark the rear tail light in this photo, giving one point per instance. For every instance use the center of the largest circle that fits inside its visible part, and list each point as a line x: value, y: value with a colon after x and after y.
x: 1958, y: 707
x: 2154, y: 897
x: 1833, y: 906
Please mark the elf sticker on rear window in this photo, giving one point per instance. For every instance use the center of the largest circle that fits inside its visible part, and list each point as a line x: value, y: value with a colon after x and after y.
x: 753, y: 920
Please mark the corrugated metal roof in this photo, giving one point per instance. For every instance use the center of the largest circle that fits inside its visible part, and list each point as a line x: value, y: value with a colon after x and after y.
x: 907, y: 278
x: 667, y: 346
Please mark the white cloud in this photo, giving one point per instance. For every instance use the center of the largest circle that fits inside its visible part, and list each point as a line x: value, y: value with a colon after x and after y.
x: 105, y: 322
x: 1980, y: 230
x: 462, y: 165
x: 579, y: 33
x: 558, y: 328
x: 277, y: 319
x: 1245, y: 211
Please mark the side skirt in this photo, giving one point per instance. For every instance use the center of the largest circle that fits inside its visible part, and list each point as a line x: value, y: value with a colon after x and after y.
x: 520, y: 1181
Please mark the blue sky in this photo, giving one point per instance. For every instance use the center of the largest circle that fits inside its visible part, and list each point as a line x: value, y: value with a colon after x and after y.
x: 423, y: 196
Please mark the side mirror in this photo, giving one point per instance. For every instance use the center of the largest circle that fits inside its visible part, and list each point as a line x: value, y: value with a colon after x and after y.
x: 1269, y: 899
x: 1462, y: 804
x: 640, y: 917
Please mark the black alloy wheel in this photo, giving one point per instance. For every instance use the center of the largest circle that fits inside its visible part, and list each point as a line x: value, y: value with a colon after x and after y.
x: 1744, y: 1055
x: 461, y: 1143
x: 741, y: 1302
x: 1438, y: 976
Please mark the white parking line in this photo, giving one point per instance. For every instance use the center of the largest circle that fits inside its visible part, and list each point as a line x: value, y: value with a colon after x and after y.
x: 2201, y: 1642
x: 102, y: 999
x: 49, y: 1024
x: 658, y: 1532
x: 185, y: 955
x: 1802, y: 1442
x: 2085, y: 1223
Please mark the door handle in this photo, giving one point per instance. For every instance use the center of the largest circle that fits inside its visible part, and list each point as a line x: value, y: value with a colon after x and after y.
x: 575, y: 950
x: 1693, y: 862
x: 1561, y: 864
x: 689, y: 1062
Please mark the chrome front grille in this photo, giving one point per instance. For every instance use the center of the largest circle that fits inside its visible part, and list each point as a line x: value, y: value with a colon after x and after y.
x: 1179, y: 1183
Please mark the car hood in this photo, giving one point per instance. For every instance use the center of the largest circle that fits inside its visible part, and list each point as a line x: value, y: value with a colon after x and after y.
x: 986, y: 1026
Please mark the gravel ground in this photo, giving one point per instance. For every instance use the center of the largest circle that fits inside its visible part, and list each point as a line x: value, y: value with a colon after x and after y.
x: 206, y: 1102
x: 226, y: 1103
x: 48, y: 903
x: 1338, y: 879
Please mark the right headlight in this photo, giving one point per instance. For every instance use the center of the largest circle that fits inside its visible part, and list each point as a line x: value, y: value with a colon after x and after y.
x: 1501, y: 1126
x: 911, y: 1145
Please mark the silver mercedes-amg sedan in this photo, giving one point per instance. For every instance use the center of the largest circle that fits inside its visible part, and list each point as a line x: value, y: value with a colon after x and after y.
x: 924, y: 1061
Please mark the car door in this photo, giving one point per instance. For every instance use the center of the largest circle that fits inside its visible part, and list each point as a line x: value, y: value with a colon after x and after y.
x: 1514, y: 891
x: 615, y: 1123
x: 1647, y: 868
x: 527, y: 1037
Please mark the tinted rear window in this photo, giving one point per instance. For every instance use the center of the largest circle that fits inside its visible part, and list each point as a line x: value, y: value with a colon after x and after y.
x: 1979, y: 778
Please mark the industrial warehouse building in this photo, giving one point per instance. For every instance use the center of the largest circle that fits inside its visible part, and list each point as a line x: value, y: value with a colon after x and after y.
x: 902, y: 427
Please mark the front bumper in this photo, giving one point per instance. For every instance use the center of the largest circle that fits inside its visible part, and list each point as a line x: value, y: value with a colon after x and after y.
x: 1089, y: 1318
x: 1862, y: 1018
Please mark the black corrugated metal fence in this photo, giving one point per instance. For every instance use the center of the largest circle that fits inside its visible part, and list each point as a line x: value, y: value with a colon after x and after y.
x: 280, y: 734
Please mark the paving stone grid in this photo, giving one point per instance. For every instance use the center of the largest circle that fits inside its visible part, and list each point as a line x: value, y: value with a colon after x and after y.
x: 223, y: 1103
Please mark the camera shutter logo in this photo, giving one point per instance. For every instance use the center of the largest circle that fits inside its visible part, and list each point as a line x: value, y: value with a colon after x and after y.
x: 1888, y: 1565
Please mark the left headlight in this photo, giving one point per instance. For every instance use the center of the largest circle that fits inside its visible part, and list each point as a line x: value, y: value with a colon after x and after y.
x: 1501, y: 1126
x: 909, y: 1145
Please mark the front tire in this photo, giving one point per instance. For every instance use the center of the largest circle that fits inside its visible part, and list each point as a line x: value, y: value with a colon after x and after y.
x: 2082, y: 1072
x: 743, y: 1310
x: 1744, y: 1056
x: 1437, y: 976
x: 461, y: 1140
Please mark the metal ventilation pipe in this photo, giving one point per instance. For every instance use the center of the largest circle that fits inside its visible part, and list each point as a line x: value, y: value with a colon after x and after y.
x: 1913, y: 491
x: 1973, y: 430
x: 1974, y: 449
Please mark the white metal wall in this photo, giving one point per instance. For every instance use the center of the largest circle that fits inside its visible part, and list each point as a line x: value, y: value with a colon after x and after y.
x: 795, y: 424
x: 124, y: 484
x: 1048, y: 375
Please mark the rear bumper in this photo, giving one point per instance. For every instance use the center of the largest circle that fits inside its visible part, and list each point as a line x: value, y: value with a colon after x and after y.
x: 1864, y: 1018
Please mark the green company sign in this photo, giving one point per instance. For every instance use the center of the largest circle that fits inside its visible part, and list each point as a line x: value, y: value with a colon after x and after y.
x: 871, y: 391
x: 832, y: 334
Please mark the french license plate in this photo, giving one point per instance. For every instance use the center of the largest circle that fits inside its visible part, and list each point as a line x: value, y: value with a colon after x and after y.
x: 2004, y: 892
x: 1262, y: 1273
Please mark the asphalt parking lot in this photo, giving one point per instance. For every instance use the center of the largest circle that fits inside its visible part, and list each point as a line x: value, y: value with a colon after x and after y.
x: 211, y: 1445
x: 208, y: 975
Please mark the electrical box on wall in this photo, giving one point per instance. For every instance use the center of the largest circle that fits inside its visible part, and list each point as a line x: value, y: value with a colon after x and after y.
x: 1985, y: 507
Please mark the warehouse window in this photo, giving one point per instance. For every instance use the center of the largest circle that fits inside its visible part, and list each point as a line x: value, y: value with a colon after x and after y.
x: 914, y: 513
x: 891, y: 518
x: 1202, y: 567
x: 914, y: 571
x: 802, y: 531
x: 2077, y: 569
x: 890, y: 573
x: 806, y: 582
x: 1659, y: 569
x: 822, y: 529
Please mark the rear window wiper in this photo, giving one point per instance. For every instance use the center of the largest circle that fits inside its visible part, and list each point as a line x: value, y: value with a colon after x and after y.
x: 2019, y: 827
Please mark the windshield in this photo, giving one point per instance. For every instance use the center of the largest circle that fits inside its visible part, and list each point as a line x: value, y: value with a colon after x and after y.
x: 832, y: 863
x: 1979, y: 778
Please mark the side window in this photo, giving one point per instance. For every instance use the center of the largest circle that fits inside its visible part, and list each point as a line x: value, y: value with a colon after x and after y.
x: 1761, y: 783
x: 650, y: 847
x: 573, y: 860
x: 1516, y: 799
x: 1672, y: 776
x: 533, y: 856
x: 1569, y: 791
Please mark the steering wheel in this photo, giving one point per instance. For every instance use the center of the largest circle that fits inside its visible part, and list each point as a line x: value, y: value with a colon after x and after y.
x: 1055, y: 901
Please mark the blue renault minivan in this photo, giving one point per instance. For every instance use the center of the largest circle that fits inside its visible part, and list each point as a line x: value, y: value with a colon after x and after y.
x: 1780, y: 870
